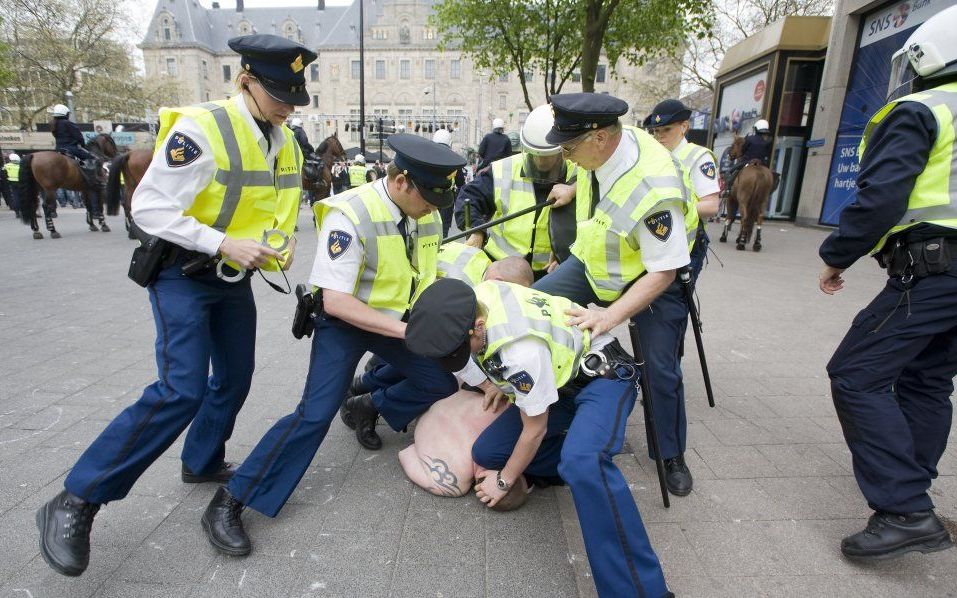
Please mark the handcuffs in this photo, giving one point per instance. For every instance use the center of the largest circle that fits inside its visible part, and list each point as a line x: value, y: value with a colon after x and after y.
x: 241, y: 272
x: 595, y: 365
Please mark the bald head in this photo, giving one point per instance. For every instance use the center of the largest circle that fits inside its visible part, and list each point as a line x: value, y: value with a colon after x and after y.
x: 512, y: 269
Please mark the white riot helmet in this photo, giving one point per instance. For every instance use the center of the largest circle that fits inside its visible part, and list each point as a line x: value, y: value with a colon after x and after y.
x: 60, y: 110
x: 14, y: 158
x: 929, y: 53
x: 443, y: 136
x: 498, y: 123
x: 295, y: 122
x: 360, y: 159
x: 543, y: 160
x: 762, y: 126
x: 118, y: 129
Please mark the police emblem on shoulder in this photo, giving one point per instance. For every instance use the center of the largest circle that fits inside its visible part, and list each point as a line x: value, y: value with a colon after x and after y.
x: 660, y: 225
x: 181, y: 150
x: 522, y: 382
x: 708, y: 170
x: 338, y: 242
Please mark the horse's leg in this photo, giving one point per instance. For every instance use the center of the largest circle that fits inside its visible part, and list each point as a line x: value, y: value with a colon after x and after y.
x: 88, y: 203
x: 760, y: 218
x: 31, y: 204
x: 49, y: 212
x: 747, y: 221
x: 732, y: 207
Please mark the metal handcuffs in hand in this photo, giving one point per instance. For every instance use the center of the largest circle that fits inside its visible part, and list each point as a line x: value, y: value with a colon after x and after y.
x: 241, y: 272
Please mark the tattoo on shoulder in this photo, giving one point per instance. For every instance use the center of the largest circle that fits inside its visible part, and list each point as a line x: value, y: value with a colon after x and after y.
x: 444, y: 482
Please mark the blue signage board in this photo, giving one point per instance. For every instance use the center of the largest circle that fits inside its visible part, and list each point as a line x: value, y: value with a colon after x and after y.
x: 883, y: 32
x: 119, y: 138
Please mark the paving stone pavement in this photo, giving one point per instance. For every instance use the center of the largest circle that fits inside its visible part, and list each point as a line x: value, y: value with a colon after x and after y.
x: 773, y: 491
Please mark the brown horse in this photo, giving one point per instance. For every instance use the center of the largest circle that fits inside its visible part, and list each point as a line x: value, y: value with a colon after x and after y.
x: 750, y: 192
x: 126, y: 172
x: 317, y: 176
x: 49, y: 171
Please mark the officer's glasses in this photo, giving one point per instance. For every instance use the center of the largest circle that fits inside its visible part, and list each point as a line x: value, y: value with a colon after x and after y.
x: 568, y: 149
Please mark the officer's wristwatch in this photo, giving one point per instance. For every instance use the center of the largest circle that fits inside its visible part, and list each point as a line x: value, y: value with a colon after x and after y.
x: 502, y: 484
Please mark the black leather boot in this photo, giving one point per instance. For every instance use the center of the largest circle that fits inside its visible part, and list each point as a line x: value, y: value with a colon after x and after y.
x: 364, y: 414
x: 221, y: 475
x: 677, y: 476
x: 356, y: 388
x: 888, y: 535
x: 223, y: 524
x: 64, y: 525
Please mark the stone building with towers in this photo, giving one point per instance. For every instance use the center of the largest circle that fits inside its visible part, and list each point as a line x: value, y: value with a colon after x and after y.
x: 407, y: 78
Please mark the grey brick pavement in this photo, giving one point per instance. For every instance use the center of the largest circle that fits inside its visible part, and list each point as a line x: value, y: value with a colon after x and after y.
x: 773, y: 486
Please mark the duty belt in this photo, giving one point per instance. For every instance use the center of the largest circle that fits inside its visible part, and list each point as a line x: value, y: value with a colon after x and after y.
x: 611, y: 362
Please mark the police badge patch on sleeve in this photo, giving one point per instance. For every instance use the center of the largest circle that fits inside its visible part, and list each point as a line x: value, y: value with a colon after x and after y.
x: 338, y: 242
x: 522, y: 382
x: 181, y: 150
x: 660, y: 225
x: 708, y: 170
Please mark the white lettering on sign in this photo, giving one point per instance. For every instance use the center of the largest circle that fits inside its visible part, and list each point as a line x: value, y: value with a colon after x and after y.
x: 898, y: 17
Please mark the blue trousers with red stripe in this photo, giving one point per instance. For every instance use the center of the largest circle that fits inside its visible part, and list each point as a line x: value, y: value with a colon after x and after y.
x: 580, y: 442
x: 200, y: 322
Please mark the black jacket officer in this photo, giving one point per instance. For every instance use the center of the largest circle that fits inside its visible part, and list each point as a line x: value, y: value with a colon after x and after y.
x: 892, y: 375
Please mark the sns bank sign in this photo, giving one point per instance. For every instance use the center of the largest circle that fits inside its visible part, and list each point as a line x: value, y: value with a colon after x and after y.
x: 883, y: 32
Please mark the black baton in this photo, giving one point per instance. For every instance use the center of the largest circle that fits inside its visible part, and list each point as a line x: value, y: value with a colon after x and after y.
x: 468, y: 231
x: 649, y: 411
x: 684, y: 274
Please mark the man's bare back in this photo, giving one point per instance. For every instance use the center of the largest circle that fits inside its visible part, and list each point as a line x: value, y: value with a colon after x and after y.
x: 440, y: 458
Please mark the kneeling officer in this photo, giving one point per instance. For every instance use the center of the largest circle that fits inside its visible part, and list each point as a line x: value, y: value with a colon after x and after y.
x: 561, y: 380
x: 378, y: 247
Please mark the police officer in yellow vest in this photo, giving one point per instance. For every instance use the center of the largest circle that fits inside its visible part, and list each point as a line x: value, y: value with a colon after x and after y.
x: 12, y: 171
x: 378, y: 246
x: 223, y: 175
x: 357, y: 172
x: 892, y: 376
x: 572, y: 393
x: 642, y: 225
x: 511, y: 184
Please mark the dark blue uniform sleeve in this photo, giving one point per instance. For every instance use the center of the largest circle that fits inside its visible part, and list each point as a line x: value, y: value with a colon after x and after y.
x: 483, y: 147
x: 896, y: 154
x: 481, y: 193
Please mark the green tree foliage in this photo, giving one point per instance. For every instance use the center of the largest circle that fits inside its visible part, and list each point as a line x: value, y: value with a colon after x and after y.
x: 557, y: 38
x: 56, y: 46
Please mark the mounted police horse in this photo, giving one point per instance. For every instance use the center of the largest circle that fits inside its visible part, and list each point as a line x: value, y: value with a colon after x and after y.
x: 49, y: 171
x: 126, y: 172
x: 749, y: 192
x: 317, y: 174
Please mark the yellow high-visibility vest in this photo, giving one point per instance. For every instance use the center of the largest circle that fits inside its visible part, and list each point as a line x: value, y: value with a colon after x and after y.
x: 933, y: 200
x: 462, y: 262
x: 245, y: 198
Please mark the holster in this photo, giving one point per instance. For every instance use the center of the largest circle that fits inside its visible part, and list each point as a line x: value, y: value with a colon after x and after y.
x: 308, y: 305
x: 918, y: 259
x: 147, y: 260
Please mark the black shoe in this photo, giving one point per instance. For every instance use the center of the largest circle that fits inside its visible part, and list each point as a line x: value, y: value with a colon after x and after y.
x: 365, y: 415
x: 223, y: 524
x: 888, y: 535
x: 220, y: 476
x: 677, y: 476
x: 345, y: 411
x: 65, y: 524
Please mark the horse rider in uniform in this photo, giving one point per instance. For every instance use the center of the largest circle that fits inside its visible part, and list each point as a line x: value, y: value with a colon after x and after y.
x: 893, y: 374
x: 12, y: 171
x: 69, y: 141
x: 295, y: 125
x: 378, y: 246
x: 641, y: 227
x: 757, y: 146
x: 495, y: 145
x: 224, y: 173
x: 517, y: 182
x: 357, y: 172
x: 572, y: 394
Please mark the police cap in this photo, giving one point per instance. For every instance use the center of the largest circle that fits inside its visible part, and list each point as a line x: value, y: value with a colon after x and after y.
x: 667, y: 112
x: 440, y: 323
x: 431, y: 166
x: 579, y: 113
x: 278, y: 63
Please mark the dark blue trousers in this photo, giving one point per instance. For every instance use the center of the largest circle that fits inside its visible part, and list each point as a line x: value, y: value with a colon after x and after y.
x: 199, y: 322
x: 271, y: 472
x: 891, y: 380
x: 583, y: 435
